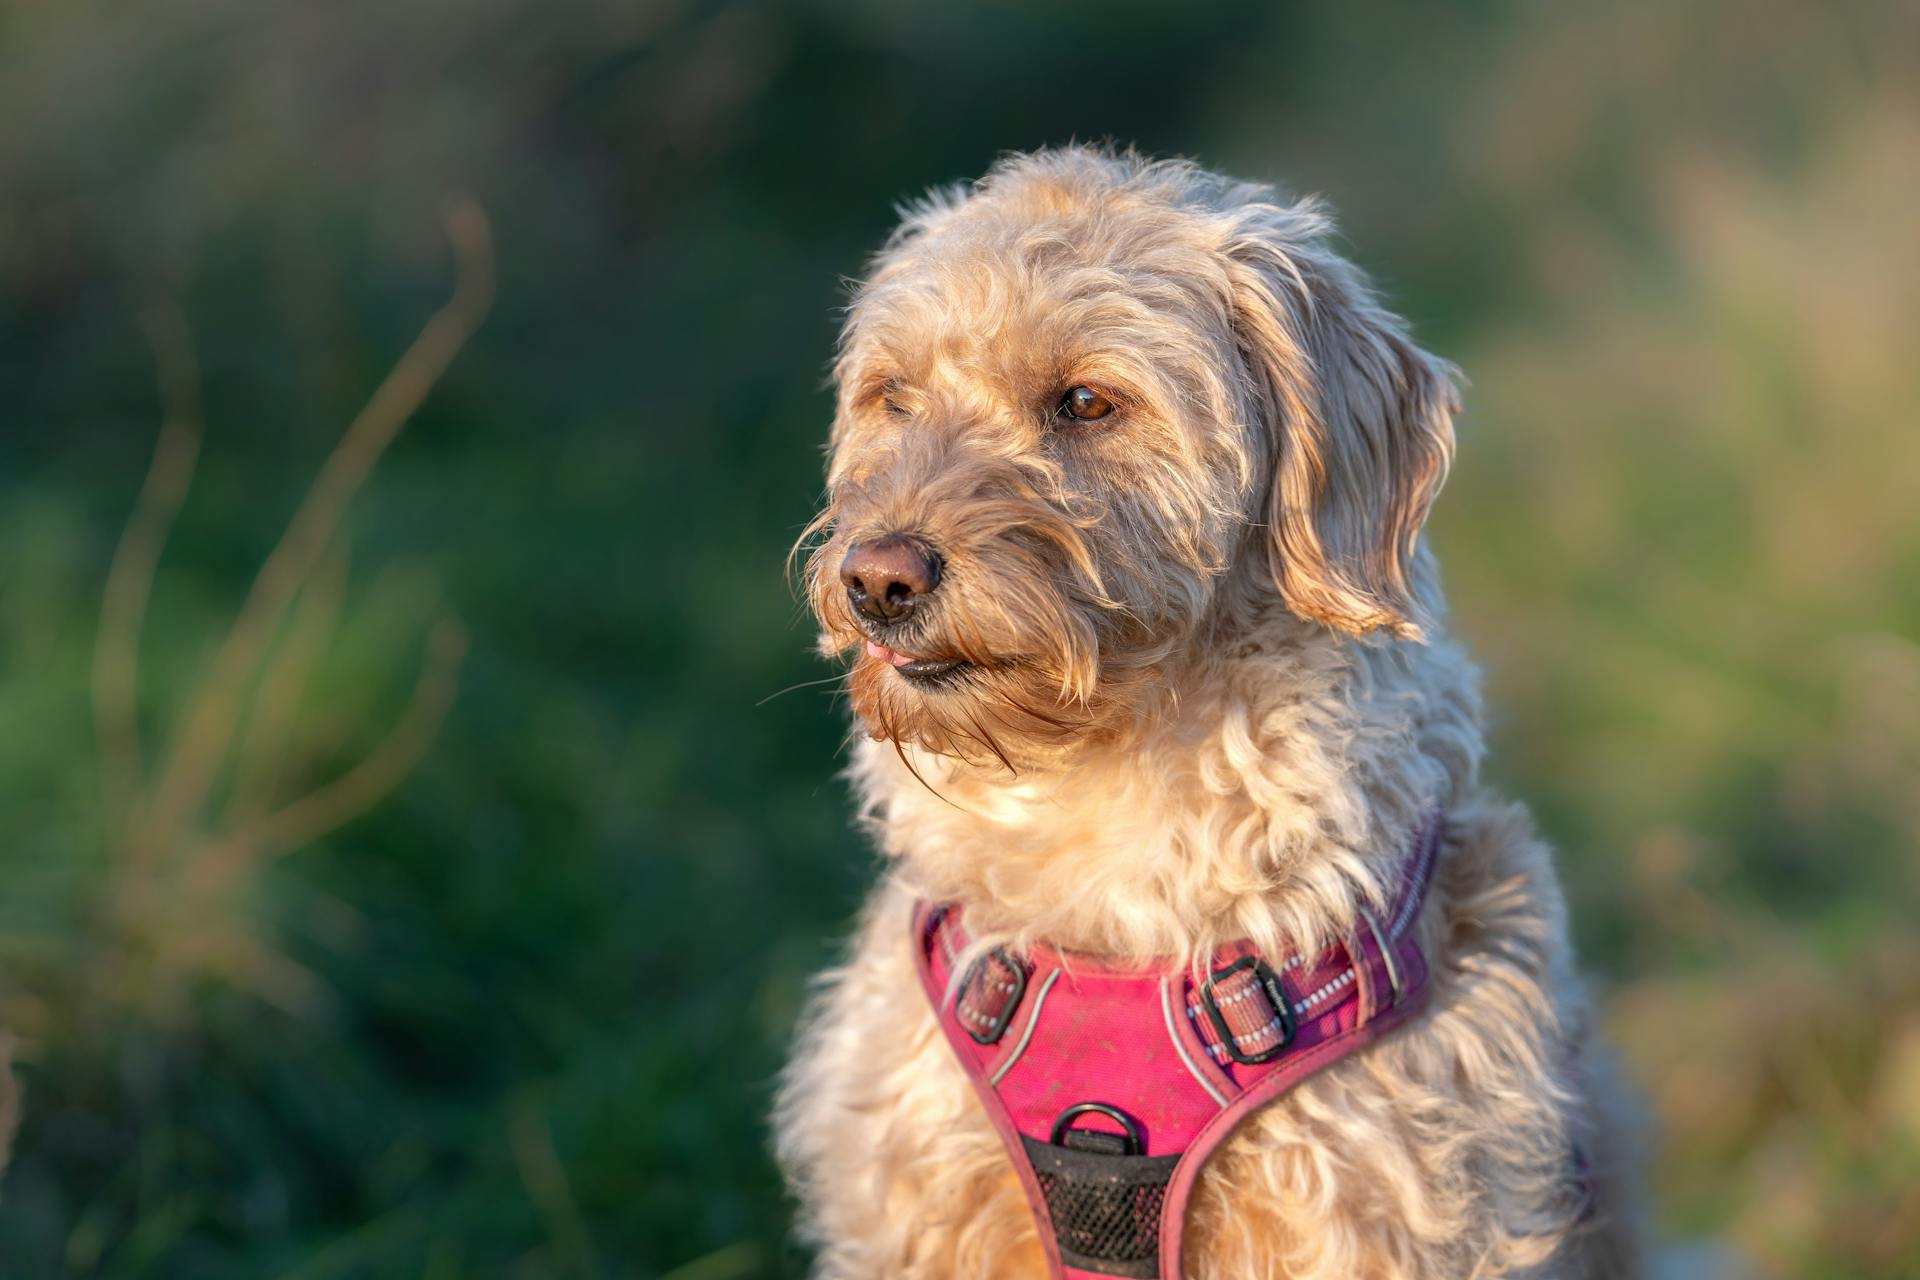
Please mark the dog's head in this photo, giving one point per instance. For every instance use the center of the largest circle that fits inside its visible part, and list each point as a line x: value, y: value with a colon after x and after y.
x: 1075, y: 397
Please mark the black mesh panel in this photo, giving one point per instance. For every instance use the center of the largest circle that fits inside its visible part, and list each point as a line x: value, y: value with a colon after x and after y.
x: 1105, y: 1209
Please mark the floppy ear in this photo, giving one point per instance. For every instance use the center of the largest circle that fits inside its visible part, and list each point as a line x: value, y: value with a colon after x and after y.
x: 1361, y: 423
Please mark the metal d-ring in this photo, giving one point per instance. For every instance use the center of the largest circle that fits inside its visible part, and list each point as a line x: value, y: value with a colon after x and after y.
x: 1063, y: 1123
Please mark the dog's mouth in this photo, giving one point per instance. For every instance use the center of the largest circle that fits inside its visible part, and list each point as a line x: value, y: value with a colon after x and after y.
x: 928, y: 672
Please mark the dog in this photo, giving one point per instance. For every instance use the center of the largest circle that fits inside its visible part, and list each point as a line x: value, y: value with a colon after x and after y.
x: 1122, y: 541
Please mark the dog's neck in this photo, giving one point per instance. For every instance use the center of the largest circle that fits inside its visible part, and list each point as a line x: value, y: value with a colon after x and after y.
x: 1273, y: 797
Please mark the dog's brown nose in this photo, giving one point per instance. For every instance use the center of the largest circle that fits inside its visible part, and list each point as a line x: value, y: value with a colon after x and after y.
x: 887, y: 577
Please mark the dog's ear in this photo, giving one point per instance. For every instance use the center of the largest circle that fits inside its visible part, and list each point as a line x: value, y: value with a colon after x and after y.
x: 1361, y: 422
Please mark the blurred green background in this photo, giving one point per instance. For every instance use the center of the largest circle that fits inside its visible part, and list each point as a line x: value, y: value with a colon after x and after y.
x: 520, y: 1016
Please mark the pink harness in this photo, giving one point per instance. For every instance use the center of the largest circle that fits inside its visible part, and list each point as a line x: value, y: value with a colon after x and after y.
x: 1110, y: 1086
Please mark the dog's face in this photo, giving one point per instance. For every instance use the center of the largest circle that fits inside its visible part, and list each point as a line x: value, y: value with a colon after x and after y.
x: 1070, y: 402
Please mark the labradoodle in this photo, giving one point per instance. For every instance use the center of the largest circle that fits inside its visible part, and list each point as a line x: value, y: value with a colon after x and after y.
x: 1122, y: 544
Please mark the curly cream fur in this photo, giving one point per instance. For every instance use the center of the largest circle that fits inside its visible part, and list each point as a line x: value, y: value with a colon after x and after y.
x: 1210, y: 697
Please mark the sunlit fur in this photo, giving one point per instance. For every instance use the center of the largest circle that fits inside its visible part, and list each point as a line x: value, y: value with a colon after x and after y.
x: 1212, y: 695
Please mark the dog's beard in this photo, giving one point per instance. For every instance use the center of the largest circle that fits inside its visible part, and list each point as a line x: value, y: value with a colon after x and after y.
x: 1010, y: 713
x: 1037, y: 668
x: 1028, y: 685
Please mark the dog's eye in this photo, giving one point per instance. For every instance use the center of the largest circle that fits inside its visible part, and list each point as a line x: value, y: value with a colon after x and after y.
x: 1084, y: 404
x: 893, y: 399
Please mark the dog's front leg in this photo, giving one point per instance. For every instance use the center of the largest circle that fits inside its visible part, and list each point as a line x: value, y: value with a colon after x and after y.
x: 899, y: 1171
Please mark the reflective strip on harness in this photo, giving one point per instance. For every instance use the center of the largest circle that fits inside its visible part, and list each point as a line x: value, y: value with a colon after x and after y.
x: 1172, y: 1064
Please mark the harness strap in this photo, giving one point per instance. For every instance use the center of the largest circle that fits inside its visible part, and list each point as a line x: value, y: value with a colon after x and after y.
x: 1110, y: 1086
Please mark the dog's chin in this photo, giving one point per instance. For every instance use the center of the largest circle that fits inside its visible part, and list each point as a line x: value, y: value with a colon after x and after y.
x: 1000, y: 712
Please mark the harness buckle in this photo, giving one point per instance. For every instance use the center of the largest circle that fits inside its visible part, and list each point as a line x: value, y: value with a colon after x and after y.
x: 1263, y: 982
x: 991, y: 991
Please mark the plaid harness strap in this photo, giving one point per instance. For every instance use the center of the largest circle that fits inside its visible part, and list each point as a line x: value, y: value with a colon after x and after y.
x: 1110, y: 1086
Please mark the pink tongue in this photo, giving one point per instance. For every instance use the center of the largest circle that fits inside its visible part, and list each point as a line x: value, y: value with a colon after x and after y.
x: 885, y: 654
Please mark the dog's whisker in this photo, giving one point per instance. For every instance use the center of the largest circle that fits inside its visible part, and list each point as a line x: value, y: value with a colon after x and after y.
x: 804, y: 684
